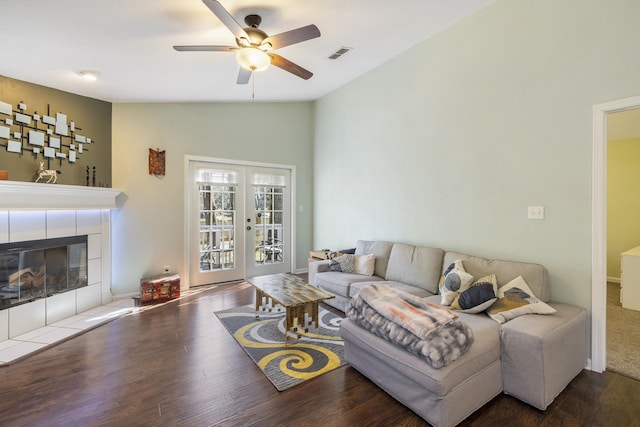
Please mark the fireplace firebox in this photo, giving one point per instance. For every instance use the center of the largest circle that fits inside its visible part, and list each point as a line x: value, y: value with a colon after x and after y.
x: 36, y: 269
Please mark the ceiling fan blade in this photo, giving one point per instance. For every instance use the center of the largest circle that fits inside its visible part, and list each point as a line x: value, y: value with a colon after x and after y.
x: 205, y: 48
x: 243, y: 76
x: 291, y: 37
x: 226, y: 19
x: 289, y: 66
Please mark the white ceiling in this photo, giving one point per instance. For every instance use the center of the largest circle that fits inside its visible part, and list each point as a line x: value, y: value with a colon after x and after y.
x: 130, y: 43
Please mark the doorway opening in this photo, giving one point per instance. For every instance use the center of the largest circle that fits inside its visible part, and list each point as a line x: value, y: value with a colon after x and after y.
x: 599, y: 227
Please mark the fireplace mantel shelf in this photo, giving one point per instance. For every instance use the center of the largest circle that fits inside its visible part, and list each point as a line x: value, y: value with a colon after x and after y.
x: 16, y: 195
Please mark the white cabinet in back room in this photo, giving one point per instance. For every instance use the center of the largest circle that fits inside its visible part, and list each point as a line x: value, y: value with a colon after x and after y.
x: 630, y: 279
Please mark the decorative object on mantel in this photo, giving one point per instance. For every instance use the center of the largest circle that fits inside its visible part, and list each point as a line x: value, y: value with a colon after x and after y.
x: 45, y: 135
x: 4, y: 175
x: 156, y: 161
x: 93, y: 177
x: 43, y: 173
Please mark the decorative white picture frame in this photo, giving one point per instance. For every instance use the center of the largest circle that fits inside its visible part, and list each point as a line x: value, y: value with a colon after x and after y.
x: 14, y: 147
x: 5, y: 108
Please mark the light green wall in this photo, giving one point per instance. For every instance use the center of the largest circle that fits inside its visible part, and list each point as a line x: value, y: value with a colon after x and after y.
x: 623, y: 200
x: 148, y: 229
x: 448, y: 143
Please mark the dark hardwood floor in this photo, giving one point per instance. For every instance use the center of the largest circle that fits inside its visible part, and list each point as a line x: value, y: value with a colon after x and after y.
x: 176, y: 365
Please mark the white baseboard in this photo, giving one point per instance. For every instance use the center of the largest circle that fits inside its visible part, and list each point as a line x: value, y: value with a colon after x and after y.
x: 127, y: 295
x: 588, y: 367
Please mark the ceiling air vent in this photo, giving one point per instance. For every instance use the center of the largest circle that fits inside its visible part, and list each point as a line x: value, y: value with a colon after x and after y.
x: 338, y: 53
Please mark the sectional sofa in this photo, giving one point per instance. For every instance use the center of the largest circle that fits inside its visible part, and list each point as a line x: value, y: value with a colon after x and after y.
x: 532, y: 357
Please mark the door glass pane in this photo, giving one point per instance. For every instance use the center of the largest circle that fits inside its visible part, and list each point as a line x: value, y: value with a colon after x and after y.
x: 217, y: 227
x: 268, y: 225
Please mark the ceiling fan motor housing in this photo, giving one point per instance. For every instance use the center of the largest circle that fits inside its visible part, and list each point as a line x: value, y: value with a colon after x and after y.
x: 255, y: 36
x: 253, y: 20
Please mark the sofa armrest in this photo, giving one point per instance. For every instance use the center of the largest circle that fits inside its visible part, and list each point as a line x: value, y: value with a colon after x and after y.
x: 317, y: 267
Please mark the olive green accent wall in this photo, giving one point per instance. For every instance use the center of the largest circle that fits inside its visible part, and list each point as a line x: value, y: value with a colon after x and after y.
x: 623, y: 200
x: 92, y: 115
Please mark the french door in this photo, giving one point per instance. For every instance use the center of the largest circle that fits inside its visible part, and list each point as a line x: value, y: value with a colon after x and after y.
x: 239, y: 221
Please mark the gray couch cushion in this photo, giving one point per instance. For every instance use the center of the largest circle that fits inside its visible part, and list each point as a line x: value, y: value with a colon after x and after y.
x: 381, y: 251
x: 484, y: 351
x: 355, y: 288
x: 338, y: 283
x: 419, y: 266
x: 417, y: 385
x: 535, y: 275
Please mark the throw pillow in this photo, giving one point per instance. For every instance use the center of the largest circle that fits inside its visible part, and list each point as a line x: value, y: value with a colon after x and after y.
x: 334, y: 265
x: 516, y: 299
x: 480, y: 296
x: 344, y: 263
x: 365, y: 264
x: 453, y: 281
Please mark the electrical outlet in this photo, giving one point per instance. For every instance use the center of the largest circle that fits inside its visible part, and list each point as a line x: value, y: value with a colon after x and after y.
x: 535, y: 212
x: 166, y: 268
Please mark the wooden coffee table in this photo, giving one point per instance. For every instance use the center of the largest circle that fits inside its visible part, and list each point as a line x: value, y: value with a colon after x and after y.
x: 277, y: 291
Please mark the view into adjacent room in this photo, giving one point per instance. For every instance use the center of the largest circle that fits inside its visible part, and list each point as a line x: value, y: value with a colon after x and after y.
x: 623, y: 242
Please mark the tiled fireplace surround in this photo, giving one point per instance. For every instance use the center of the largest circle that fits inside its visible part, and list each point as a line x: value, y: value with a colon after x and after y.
x: 30, y: 211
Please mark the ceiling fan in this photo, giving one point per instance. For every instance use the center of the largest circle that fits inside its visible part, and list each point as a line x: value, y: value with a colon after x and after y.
x: 254, y: 50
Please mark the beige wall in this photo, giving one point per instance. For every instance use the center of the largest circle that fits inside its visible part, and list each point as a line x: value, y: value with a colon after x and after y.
x: 148, y: 228
x: 448, y: 143
x: 623, y: 200
x: 91, y: 115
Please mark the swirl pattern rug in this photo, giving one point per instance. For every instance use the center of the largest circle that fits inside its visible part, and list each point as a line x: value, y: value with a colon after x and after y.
x: 314, y: 353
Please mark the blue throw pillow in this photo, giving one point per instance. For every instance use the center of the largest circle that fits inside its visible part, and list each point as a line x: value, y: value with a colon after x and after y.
x: 480, y: 296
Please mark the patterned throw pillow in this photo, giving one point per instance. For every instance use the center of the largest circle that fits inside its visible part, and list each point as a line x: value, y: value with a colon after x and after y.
x: 453, y: 281
x: 347, y: 263
x: 334, y: 265
x: 480, y: 296
x: 344, y: 263
x: 517, y: 299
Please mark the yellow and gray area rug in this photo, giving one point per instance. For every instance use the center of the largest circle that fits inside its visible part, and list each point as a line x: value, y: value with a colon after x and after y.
x: 314, y: 353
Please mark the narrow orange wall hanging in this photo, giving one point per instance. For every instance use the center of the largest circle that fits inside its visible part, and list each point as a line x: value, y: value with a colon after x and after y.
x: 156, y: 161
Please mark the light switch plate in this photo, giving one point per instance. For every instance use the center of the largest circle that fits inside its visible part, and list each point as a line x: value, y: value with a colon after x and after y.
x: 535, y: 212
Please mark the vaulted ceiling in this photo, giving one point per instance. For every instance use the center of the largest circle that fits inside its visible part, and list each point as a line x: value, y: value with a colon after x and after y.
x: 130, y: 44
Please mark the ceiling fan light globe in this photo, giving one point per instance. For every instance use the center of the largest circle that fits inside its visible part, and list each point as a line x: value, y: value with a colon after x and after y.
x: 253, y: 59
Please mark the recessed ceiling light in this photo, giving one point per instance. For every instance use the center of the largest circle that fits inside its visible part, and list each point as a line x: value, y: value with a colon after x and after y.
x: 90, y: 75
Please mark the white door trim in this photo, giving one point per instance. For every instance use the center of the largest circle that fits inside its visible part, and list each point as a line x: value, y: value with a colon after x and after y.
x: 187, y: 235
x: 599, y: 228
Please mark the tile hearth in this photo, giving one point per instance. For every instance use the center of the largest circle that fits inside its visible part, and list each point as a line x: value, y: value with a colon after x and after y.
x: 23, y: 345
x: 34, y: 211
